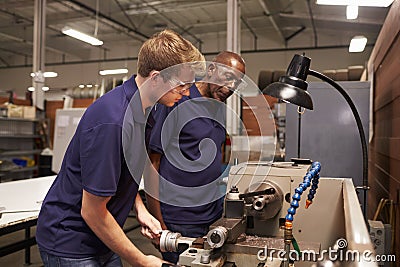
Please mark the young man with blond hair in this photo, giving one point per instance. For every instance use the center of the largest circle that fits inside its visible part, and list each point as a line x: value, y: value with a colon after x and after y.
x: 81, y: 220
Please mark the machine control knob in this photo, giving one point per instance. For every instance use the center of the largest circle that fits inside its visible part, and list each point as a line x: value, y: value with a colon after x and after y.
x: 217, y: 237
x: 259, y: 203
x: 169, y: 241
x: 234, y: 189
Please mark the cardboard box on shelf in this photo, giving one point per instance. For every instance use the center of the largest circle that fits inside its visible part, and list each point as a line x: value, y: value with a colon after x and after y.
x: 17, y: 111
x: 29, y: 112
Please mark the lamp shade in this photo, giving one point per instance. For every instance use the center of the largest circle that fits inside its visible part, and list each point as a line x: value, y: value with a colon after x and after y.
x: 292, y: 87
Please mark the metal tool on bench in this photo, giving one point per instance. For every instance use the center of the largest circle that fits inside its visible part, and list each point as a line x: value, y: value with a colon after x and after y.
x: 3, y: 210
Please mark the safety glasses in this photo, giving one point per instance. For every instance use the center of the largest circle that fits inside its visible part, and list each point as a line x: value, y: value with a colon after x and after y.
x: 180, y: 87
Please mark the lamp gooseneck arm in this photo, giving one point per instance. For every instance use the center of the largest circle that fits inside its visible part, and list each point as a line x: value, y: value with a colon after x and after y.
x: 360, y: 130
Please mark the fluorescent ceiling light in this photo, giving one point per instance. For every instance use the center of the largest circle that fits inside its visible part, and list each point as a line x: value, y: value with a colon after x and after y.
x: 81, y: 36
x: 357, y: 44
x: 352, y: 12
x: 375, y: 3
x: 114, y: 71
x: 47, y: 74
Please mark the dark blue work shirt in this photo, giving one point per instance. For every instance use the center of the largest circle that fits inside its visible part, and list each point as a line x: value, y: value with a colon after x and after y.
x: 190, y: 136
x: 95, y: 161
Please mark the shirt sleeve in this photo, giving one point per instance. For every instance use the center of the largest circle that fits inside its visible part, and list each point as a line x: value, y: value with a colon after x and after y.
x: 101, y: 157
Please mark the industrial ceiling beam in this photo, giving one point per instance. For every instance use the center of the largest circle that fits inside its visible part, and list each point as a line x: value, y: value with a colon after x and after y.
x: 198, y: 40
x: 125, y: 14
x: 305, y: 16
x: 169, y: 6
x: 11, y: 33
x: 302, y: 28
x: 272, y: 20
x: 15, y: 52
x: 251, y: 31
x: 4, y: 62
x: 109, y: 20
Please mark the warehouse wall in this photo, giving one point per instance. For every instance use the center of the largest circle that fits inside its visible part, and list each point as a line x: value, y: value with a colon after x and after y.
x: 71, y: 75
x: 384, y: 160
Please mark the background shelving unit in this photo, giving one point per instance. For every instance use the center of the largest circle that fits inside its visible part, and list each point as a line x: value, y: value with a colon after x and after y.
x: 19, y: 137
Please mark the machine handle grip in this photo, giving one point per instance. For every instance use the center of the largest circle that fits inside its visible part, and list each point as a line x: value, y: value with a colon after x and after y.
x: 268, y: 191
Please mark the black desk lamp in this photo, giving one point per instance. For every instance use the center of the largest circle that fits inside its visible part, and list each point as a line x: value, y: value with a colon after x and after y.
x: 292, y: 88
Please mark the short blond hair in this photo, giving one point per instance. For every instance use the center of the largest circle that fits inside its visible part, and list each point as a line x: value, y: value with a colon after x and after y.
x: 165, y: 49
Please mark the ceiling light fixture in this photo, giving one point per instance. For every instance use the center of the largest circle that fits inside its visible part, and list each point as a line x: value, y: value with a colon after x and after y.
x: 357, y: 44
x: 351, y: 12
x: 113, y: 71
x: 45, y: 88
x: 31, y: 89
x: 375, y: 3
x: 47, y: 74
x: 81, y: 36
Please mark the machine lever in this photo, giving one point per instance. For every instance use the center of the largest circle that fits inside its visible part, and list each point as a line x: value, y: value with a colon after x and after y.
x: 268, y: 191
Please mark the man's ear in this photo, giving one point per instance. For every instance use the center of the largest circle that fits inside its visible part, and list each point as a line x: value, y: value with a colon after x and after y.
x: 211, y: 69
x: 154, y: 74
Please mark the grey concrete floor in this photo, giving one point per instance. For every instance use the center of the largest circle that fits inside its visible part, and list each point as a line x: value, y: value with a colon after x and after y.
x: 17, y: 259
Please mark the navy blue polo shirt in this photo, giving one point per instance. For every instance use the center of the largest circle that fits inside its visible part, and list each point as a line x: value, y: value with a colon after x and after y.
x: 189, y: 136
x: 95, y: 161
